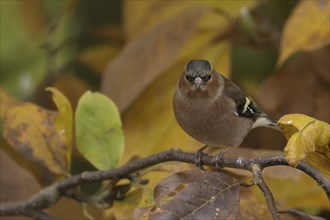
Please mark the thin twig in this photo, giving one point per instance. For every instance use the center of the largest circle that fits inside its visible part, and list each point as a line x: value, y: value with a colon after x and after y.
x: 297, y: 213
x: 259, y: 181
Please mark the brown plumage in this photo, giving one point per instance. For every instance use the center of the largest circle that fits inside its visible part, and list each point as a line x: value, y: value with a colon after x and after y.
x: 212, y: 109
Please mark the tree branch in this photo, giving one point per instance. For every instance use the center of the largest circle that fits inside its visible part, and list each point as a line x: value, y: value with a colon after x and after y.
x: 299, y: 214
x: 259, y: 181
x: 52, y: 193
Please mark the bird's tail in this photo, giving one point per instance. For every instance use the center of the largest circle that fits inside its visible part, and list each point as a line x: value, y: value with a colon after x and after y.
x: 265, y: 121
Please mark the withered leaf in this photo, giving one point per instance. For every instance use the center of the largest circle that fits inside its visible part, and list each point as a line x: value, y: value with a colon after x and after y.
x: 30, y: 130
x: 196, y: 194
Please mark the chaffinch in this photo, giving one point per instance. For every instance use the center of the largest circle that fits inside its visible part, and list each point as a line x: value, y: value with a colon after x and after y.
x: 212, y: 109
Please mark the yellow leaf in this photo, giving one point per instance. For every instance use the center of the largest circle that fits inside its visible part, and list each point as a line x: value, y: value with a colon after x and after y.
x: 63, y: 121
x: 295, y: 189
x: 142, y: 16
x: 30, y: 130
x: 320, y: 162
x: 306, y: 29
x: 124, y: 209
x: 305, y: 134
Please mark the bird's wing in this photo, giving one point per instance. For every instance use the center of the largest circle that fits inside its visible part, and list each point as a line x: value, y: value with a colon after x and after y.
x: 245, y: 106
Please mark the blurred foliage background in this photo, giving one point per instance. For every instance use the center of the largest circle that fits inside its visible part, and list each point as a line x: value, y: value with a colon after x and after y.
x: 135, y: 51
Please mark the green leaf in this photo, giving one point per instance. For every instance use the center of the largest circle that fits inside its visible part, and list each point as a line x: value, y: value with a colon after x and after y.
x: 99, y: 134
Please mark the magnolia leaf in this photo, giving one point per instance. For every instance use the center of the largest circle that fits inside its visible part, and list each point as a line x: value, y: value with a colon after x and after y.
x: 30, y: 130
x: 306, y: 29
x: 99, y: 135
x: 305, y: 134
x: 63, y: 121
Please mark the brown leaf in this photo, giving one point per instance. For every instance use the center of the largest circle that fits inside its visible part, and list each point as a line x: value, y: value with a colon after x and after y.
x: 302, y: 85
x: 31, y: 131
x: 146, y: 57
x: 196, y: 194
x: 16, y: 183
x: 17, y: 178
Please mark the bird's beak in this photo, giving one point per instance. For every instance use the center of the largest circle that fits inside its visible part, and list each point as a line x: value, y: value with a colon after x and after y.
x: 198, y: 82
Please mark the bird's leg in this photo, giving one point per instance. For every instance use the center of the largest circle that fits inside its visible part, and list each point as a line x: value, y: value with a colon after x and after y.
x: 218, y: 159
x: 199, y: 154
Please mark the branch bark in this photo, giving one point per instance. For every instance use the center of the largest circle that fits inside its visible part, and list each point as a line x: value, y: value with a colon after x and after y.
x: 52, y: 193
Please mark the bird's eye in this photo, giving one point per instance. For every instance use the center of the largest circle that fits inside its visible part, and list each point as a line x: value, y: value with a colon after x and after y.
x: 189, y: 78
x: 206, y: 78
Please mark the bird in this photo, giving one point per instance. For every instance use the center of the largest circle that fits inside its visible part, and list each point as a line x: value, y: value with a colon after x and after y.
x: 213, y: 110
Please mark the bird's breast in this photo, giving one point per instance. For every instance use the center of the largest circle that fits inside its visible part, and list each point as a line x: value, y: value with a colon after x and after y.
x: 211, y: 122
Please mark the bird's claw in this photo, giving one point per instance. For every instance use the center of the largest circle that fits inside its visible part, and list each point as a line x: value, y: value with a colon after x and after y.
x: 198, y: 160
x: 218, y: 159
x: 199, y: 155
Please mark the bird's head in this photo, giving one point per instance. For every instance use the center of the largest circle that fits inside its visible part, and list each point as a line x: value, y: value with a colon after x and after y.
x: 198, y: 73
